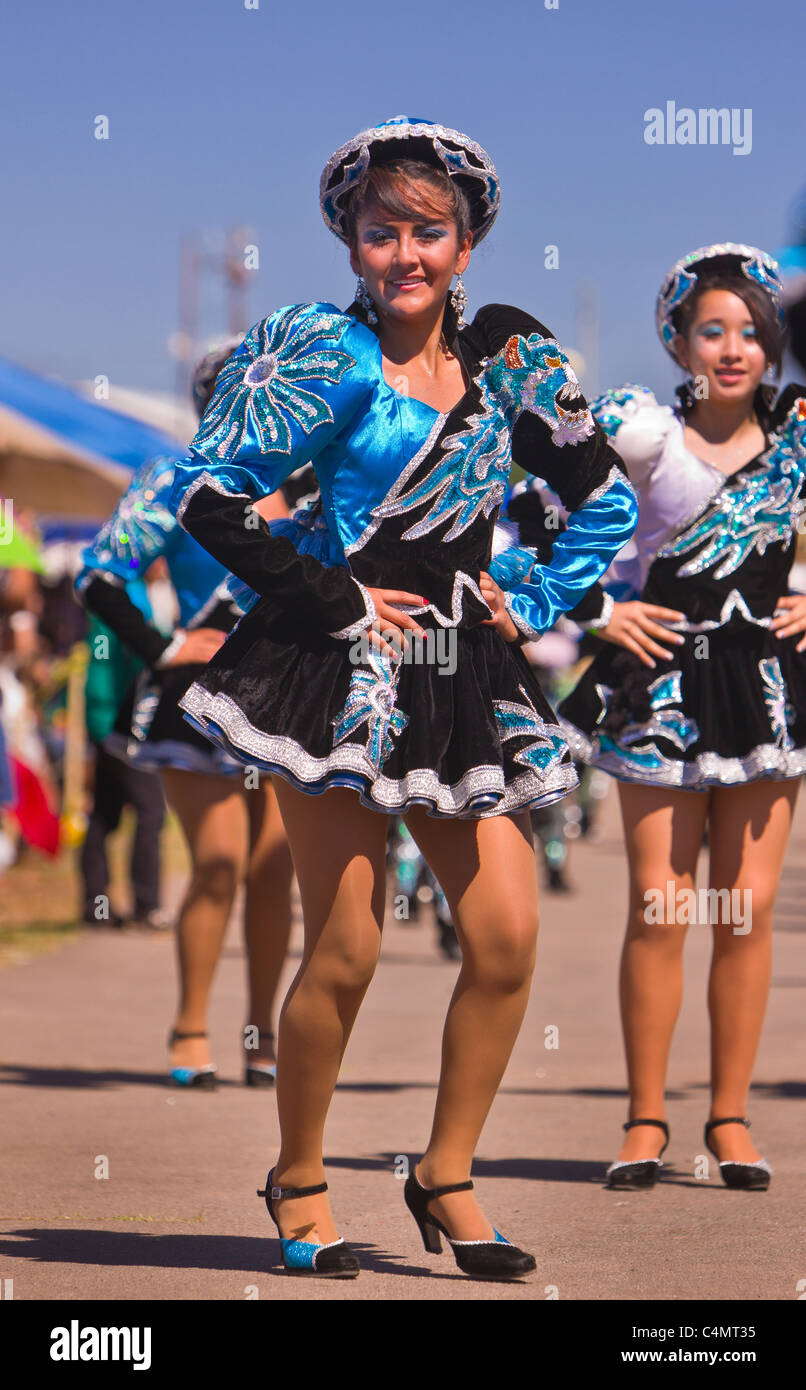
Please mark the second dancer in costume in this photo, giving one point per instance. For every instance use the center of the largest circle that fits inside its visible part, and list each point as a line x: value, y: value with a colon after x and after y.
x: 698, y: 703
x: 232, y: 827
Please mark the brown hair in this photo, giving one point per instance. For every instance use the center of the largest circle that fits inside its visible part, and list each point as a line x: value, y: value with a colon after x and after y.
x: 409, y: 190
x: 762, y: 309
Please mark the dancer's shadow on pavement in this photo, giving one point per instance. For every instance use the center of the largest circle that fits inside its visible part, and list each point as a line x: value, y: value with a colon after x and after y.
x: 573, y: 1170
x: 252, y: 1255
x: 90, y: 1078
x: 527, y: 1169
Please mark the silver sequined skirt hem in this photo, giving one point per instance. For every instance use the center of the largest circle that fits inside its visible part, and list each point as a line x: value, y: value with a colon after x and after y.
x: 765, y: 762
x: 480, y: 793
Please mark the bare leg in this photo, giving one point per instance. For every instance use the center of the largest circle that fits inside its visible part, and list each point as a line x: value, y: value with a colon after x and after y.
x: 488, y: 874
x: 267, y: 911
x: 339, y: 852
x: 213, y: 817
x: 663, y: 828
x: 750, y: 828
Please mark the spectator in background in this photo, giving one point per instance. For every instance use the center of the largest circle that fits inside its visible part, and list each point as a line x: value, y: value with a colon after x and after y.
x: 111, y: 677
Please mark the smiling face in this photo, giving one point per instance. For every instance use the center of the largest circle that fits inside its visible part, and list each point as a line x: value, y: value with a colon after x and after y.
x: 408, y: 266
x: 722, y: 344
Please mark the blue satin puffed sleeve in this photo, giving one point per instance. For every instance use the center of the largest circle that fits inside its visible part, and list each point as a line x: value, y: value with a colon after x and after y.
x: 556, y: 438
x: 136, y: 534
x: 297, y: 381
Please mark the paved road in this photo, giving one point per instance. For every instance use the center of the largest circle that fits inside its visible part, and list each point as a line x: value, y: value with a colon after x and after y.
x: 83, y: 1075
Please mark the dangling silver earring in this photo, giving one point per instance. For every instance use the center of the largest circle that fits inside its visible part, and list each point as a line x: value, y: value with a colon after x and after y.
x: 459, y: 301
x: 364, y: 298
x: 769, y: 390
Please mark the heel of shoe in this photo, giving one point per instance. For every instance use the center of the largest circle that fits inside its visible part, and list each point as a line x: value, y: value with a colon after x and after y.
x: 201, y: 1078
x: 481, y: 1259
x: 639, y: 1173
x: 751, y: 1177
x: 416, y: 1199
x: 333, y: 1261
x: 261, y: 1074
x: 432, y: 1240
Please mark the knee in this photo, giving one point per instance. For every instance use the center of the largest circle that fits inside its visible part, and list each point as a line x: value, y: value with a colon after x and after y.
x: 747, y: 912
x: 216, y: 877
x: 506, y: 960
x: 660, y: 912
x: 352, y: 969
x: 754, y: 903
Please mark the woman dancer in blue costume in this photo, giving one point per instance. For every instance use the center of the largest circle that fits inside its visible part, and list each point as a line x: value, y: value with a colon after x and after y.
x: 699, y: 709
x: 233, y: 829
x: 412, y: 419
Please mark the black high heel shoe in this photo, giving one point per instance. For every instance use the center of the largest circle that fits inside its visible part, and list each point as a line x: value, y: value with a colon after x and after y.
x: 753, y: 1177
x: 333, y: 1261
x: 482, y: 1259
x: 203, y: 1078
x: 261, y: 1073
x: 642, y: 1172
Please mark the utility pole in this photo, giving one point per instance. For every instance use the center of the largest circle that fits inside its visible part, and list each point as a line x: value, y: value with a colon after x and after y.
x: 230, y: 265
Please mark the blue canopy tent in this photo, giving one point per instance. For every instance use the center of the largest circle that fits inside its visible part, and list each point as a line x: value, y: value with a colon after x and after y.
x: 65, y: 456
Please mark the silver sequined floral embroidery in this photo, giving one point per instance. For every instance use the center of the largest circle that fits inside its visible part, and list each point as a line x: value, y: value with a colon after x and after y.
x: 280, y: 354
x: 136, y: 531
x: 776, y: 699
x: 371, y: 699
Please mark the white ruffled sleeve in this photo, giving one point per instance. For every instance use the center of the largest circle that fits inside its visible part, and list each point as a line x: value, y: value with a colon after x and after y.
x: 637, y: 427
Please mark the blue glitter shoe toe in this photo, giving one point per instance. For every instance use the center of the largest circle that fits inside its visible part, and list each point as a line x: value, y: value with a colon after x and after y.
x: 311, y: 1258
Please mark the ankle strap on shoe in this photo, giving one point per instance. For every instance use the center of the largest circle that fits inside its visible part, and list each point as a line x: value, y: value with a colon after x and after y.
x: 432, y: 1192
x: 279, y: 1194
x: 176, y: 1036
x: 660, y: 1124
x: 729, y: 1120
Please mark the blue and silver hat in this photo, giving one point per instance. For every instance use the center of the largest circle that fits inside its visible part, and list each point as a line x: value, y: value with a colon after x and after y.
x: 682, y: 278
x: 410, y: 137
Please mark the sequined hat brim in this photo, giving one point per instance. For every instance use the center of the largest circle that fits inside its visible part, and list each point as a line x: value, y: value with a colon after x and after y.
x: 756, y: 265
x: 406, y: 137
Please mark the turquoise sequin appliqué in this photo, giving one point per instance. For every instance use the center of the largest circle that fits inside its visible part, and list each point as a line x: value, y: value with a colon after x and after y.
x: 533, y: 374
x: 762, y: 511
x: 137, y: 528
x: 664, y: 722
x: 776, y: 698
x: 471, y: 475
x: 269, y: 392
x: 517, y: 720
x: 371, y: 699
x: 612, y: 420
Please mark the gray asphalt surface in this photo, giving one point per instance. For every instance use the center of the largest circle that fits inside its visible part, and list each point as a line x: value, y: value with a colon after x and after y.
x: 84, y: 1075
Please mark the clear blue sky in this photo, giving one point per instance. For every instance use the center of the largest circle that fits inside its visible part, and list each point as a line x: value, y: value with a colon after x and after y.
x: 221, y: 114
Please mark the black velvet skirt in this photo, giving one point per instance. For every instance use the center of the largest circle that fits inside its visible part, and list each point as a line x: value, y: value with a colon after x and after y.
x: 732, y: 717
x: 459, y: 725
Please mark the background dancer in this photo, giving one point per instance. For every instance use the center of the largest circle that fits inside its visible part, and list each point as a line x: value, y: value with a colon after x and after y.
x: 234, y: 832
x: 698, y: 706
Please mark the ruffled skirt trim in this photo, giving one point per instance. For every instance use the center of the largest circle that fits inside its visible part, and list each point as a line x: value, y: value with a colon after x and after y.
x: 480, y: 792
